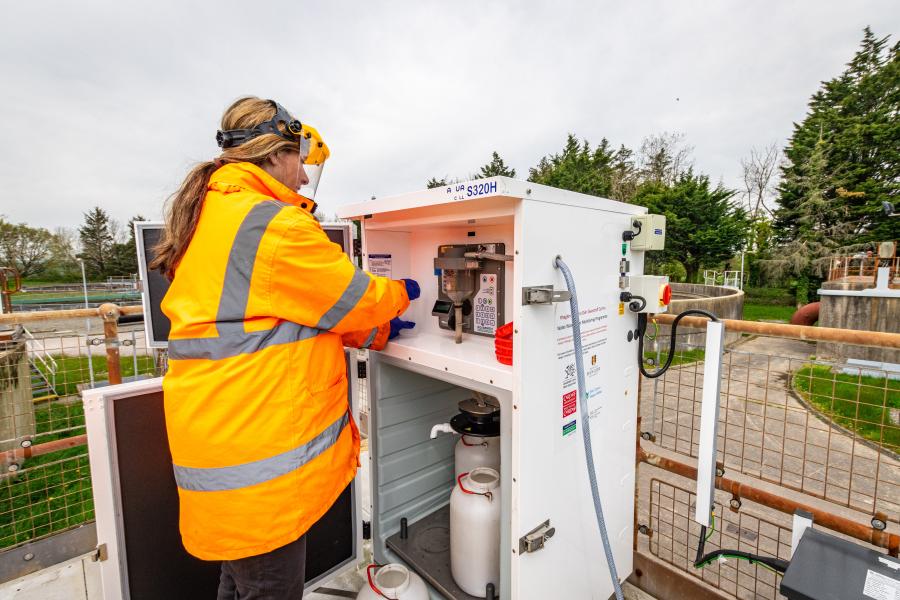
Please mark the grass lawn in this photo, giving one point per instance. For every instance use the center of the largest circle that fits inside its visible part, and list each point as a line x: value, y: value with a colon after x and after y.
x: 23, y: 299
x: 860, y: 404
x: 682, y: 357
x: 768, y: 312
x: 53, y: 492
x: 73, y: 370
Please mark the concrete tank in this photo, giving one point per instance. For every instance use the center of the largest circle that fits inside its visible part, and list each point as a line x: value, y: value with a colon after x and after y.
x: 852, y: 303
x: 724, y: 302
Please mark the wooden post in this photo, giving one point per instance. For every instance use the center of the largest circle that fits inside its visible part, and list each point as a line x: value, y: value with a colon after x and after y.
x: 110, y: 314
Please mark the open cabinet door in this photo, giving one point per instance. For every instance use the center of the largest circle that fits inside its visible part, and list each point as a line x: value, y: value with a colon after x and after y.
x: 136, y: 504
x: 551, y: 488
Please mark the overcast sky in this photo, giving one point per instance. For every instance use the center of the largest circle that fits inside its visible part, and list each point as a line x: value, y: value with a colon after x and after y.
x: 109, y: 102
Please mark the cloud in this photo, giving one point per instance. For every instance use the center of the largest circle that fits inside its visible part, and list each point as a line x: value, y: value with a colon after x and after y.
x: 109, y: 103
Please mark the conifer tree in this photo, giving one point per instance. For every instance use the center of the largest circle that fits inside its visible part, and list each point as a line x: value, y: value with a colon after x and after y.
x: 96, y: 242
x: 855, y: 116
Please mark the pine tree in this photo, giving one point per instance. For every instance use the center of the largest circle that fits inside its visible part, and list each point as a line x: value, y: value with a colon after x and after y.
x: 855, y: 115
x: 495, y: 168
x: 96, y: 243
x: 580, y: 168
x: 704, y: 227
x: 822, y: 226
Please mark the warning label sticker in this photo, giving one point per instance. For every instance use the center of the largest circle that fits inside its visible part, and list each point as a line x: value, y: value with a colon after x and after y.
x: 568, y: 428
x: 569, y: 403
x: 881, y: 587
x: 380, y: 264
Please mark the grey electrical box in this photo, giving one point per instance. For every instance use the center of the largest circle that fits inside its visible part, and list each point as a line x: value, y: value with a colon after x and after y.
x: 825, y: 567
x: 652, y: 235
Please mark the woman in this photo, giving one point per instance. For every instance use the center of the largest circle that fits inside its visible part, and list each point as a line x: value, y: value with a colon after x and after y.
x: 261, y: 305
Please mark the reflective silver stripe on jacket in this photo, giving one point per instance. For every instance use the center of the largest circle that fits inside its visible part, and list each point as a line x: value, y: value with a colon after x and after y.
x: 219, y: 479
x: 234, y: 344
x: 351, y: 296
x: 239, y: 270
x: 371, y: 338
x: 232, y: 339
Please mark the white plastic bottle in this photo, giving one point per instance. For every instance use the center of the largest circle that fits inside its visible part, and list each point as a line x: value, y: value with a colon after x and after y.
x: 473, y: 452
x: 394, y: 581
x: 470, y: 451
x: 475, y: 531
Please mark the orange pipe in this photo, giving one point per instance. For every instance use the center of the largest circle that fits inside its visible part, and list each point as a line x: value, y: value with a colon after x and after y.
x: 19, y: 454
x: 856, y: 337
x: 807, y: 314
x: 865, y: 533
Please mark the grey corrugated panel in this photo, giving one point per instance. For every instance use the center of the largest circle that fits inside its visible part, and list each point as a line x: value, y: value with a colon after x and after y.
x: 410, y: 434
x: 419, y: 457
x: 407, y: 406
x: 396, y: 382
x: 407, y: 489
x: 414, y: 474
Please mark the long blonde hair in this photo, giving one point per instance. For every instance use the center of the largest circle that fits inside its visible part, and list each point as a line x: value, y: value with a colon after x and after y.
x: 183, y: 207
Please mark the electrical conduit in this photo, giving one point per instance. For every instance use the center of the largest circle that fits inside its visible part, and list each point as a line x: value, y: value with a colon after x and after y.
x: 586, y: 427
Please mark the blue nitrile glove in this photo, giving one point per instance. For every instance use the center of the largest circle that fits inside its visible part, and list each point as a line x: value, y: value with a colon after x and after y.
x: 412, y: 289
x: 398, y: 324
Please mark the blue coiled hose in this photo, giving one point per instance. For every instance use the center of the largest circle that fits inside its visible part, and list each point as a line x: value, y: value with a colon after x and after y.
x: 585, y: 425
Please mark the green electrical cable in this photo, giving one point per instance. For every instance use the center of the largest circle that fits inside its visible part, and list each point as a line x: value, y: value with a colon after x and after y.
x: 655, y: 331
x: 774, y: 564
x: 750, y: 560
x: 713, y: 529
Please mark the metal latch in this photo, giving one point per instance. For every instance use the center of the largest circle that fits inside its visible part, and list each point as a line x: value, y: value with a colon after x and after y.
x: 543, y: 294
x: 534, y: 539
x: 101, y: 554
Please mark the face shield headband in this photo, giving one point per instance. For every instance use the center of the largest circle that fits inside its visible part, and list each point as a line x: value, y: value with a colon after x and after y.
x: 293, y: 131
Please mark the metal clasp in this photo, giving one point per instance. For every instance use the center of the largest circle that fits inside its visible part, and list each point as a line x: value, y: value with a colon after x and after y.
x: 534, y: 539
x: 543, y: 294
x: 100, y: 554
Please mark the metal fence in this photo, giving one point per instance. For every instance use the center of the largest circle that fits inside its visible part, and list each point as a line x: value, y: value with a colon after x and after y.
x: 675, y: 535
x: 45, y: 484
x: 796, y: 430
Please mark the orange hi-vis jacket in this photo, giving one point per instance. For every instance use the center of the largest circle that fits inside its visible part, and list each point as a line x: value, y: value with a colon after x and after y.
x: 262, y: 305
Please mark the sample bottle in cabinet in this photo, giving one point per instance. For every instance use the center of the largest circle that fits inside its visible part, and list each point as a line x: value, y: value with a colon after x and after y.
x: 472, y: 452
x: 475, y: 531
x: 395, y: 582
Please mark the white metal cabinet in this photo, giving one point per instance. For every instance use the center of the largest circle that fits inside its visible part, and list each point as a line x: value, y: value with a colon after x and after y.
x: 418, y: 379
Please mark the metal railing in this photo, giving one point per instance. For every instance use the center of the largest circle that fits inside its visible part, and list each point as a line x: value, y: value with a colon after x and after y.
x: 861, y: 266
x: 796, y: 431
x: 723, y: 278
x: 45, y: 485
x: 41, y: 359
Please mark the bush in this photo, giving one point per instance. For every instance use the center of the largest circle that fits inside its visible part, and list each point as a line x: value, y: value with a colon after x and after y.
x: 767, y: 295
x: 674, y: 269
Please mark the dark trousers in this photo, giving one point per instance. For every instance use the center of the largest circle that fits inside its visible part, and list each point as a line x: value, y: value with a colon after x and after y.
x: 275, y: 575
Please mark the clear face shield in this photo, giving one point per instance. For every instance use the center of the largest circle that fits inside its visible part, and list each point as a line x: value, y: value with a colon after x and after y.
x: 314, y: 174
x: 313, y: 153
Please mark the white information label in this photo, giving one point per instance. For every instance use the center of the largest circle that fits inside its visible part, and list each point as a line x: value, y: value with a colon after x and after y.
x: 889, y: 562
x: 486, y: 304
x: 380, y: 264
x: 881, y: 587
x: 593, y: 338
